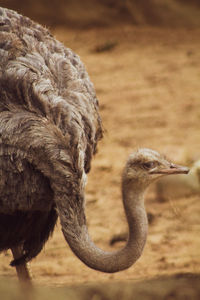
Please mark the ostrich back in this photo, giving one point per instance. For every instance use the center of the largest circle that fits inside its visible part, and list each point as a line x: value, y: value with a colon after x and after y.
x: 41, y: 82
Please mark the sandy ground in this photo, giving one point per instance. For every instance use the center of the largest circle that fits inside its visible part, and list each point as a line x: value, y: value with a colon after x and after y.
x: 148, y: 85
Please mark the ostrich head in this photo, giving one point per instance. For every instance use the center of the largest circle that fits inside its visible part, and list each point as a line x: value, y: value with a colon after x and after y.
x: 145, y: 166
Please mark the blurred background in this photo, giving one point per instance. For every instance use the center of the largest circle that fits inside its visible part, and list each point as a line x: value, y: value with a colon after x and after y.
x: 143, y: 57
x: 84, y: 14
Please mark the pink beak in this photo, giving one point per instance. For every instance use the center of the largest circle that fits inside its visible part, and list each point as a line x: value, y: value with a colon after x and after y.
x: 172, y: 169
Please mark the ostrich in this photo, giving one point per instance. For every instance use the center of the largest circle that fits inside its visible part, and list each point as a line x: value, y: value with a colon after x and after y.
x: 49, y: 130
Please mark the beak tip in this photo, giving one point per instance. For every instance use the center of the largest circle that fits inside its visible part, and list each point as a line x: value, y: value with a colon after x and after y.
x: 183, y: 170
x: 187, y: 171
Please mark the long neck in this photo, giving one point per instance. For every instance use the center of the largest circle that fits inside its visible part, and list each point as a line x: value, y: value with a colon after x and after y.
x: 76, y: 233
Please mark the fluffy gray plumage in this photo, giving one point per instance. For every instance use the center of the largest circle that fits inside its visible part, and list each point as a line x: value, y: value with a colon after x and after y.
x: 49, y: 129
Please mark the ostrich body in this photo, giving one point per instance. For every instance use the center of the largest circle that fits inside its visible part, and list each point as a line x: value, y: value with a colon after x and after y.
x: 49, y: 129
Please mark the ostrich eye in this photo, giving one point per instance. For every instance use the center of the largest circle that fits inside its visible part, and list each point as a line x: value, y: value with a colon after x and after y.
x: 149, y: 165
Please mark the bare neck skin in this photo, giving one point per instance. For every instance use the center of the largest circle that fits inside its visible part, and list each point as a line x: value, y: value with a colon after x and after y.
x: 79, y: 240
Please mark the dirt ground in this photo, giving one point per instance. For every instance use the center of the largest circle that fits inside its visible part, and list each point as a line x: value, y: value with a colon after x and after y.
x: 148, y: 84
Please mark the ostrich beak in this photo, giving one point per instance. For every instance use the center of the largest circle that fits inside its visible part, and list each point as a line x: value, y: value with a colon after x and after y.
x: 171, y: 169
